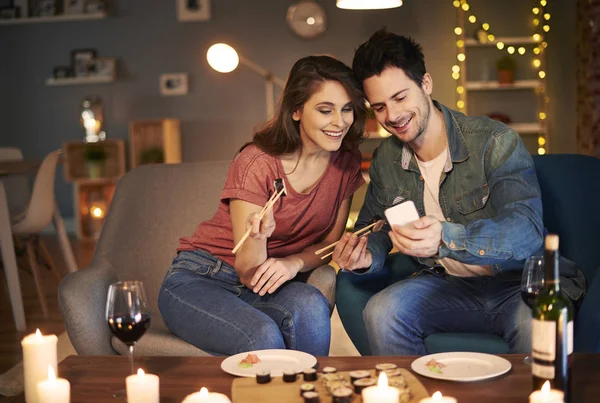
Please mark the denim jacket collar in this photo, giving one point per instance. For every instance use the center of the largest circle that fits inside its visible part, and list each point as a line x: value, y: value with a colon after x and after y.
x: 457, y: 149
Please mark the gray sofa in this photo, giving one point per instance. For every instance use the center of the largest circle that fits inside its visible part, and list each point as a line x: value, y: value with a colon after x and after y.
x: 152, y: 207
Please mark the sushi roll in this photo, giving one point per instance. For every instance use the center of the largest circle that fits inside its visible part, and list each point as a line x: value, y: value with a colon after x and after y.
x: 263, y: 377
x: 393, y: 372
x: 311, y: 397
x: 329, y: 370
x: 306, y: 387
x: 342, y: 395
x: 310, y: 374
x: 384, y: 366
x: 289, y: 376
x: 360, y: 384
x: 355, y: 375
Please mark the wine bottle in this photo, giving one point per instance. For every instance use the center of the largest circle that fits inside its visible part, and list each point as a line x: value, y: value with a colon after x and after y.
x: 552, y: 327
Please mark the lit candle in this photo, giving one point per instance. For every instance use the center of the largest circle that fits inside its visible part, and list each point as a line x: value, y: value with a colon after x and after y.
x: 39, y: 352
x: 547, y: 395
x: 53, y: 390
x: 382, y: 393
x: 142, y: 388
x: 205, y: 397
x: 437, y: 397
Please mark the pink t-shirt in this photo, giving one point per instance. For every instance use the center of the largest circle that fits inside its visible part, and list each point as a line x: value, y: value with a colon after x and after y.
x: 302, y: 219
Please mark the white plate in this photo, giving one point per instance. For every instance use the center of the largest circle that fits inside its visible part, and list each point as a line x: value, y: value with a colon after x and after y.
x: 461, y: 366
x: 275, y: 361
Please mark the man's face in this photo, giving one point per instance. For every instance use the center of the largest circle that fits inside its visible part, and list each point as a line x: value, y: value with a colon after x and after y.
x: 400, y: 105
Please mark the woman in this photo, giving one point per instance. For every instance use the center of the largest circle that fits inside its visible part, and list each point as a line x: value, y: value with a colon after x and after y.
x: 227, y: 303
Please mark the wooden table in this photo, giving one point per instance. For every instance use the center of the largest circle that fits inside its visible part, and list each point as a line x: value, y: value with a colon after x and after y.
x: 95, y: 378
x: 9, y: 260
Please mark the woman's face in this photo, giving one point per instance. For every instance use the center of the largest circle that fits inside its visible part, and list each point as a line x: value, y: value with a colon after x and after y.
x: 325, y: 118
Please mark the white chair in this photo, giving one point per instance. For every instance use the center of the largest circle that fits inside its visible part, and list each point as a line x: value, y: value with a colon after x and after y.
x: 18, y: 187
x: 36, y: 218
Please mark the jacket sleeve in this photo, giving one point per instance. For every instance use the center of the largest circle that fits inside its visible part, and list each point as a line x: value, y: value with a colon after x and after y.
x: 516, y: 231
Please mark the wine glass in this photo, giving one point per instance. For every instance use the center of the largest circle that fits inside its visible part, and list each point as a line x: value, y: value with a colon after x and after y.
x: 532, y: 283
x: 127, y: 313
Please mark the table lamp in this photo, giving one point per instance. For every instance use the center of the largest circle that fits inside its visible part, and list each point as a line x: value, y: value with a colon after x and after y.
x: 224, y: 59
x: 368, y: 4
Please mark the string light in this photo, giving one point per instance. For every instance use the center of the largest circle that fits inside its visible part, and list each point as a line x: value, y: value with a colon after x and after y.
x: 539, y: 15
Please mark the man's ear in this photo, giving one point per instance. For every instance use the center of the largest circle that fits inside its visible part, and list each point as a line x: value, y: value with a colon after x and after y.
x: 427, y: 84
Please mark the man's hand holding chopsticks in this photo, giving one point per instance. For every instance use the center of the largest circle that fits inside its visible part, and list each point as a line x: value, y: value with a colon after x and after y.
x: 351, y: 252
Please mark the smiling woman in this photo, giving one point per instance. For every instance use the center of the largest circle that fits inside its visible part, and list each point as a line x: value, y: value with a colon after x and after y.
x: 255, y: 299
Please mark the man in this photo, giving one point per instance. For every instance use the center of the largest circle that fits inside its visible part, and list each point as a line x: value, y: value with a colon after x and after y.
x: 476, y: 191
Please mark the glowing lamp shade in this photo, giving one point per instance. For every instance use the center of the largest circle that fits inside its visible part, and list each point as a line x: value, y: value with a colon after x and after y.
x: 368, y: 4
x: 222, y: 58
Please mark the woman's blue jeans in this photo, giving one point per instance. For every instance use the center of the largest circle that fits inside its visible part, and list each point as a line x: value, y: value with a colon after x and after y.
x: 203, y: 302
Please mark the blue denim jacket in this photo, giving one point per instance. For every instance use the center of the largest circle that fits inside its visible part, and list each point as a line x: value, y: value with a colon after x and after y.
x: 489, y: 194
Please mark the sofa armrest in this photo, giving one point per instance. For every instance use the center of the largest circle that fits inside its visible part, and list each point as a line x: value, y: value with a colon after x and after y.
x: 82, y: 301
x: 587, y: 321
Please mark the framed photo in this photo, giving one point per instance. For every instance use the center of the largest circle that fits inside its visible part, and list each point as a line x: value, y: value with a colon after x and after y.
x: 9, y: 13
x: 173, y: 84
x: 62, y: 72
x: 74, y: 6
x: 103, y: 67
x: 95, y: 6
x: 42, y: 8
x: 193, y: 10
x: 82, y: 61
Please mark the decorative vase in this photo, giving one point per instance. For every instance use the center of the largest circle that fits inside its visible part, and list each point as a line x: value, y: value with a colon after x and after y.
x: 506, y: 76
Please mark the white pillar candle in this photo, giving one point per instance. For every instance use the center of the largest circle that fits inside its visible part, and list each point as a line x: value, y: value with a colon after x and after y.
x: 39, y: 352
x: 437, y: 397
x: 142, y: 388
x: 382, y: 393
x: 205, y: 397
x: 547, y: 395
x: 53, y: 390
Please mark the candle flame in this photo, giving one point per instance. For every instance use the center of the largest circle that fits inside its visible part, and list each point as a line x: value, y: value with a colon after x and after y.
x: 546, y: 387
x: 437, y: 396
x: 383, y: 380
x: 140, y: 372
x: 38, y: 335
x: 203, y: 392
x: 51, y: 374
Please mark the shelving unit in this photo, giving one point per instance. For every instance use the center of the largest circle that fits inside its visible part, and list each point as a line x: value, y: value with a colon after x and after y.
x: 528, y: 125
x: 155, y: 136
x: 80, y: 80
x: 54, y: 18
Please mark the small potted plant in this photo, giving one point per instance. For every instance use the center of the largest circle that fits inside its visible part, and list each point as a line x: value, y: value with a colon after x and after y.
x: 506, y: 70
x: 95, y: 157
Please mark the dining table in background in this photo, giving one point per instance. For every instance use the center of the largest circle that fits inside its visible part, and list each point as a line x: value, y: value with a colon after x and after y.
x: 9, y: 259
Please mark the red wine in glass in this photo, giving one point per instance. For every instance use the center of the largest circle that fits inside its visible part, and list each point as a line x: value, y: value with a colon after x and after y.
x: 127, y: 313
x: 529, y: 295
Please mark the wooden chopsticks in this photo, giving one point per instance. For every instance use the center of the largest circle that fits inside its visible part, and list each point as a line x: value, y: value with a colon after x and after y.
x: 361, y: 232
x: 272, y: 200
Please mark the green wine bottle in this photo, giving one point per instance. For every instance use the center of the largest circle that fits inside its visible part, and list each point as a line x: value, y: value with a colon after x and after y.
x: 552, y: 328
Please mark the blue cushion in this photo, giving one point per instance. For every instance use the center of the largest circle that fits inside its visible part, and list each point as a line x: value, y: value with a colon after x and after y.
x: 473, y: 342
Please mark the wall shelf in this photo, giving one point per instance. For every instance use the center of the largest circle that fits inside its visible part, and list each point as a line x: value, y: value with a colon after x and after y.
x: 80, y: 80
x: 526, y: 128
x: 494, y: 85
x: 507, y: 40
x: 54, y: 18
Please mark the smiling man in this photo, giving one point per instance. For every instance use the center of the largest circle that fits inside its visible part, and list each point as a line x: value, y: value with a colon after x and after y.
x: 475, y: 188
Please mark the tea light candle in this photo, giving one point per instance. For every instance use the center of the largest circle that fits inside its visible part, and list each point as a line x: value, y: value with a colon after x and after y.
x: 547, y: 395
x: 205, y: 397
x: 142, y: 388
x: 437, y: 397
x: 382, y: 393
x: 39, y: 352
x: 53, y: 390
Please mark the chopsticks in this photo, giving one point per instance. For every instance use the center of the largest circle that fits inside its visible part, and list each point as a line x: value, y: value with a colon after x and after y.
x: 272, y: 200
x: 361, y: 232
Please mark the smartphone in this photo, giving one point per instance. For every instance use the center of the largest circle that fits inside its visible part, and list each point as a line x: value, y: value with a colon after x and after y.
x: 402, y: 213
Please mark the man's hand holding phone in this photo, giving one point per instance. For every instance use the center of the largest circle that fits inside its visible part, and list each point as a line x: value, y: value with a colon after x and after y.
x: 411, y: 235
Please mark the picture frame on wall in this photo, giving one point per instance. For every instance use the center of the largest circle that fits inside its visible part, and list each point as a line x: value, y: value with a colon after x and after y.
x: 74, y: 6
x: 62, y: 72
x: 82, y: 61
x: 173, y: 84
x: 103, y: 67
x: 193, y: 10
x: 42, y: 8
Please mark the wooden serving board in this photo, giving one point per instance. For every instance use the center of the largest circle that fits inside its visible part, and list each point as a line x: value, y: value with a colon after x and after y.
x: 246, y: 390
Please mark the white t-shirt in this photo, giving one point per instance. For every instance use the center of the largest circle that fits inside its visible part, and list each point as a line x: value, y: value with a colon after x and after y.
x: 431, y: 172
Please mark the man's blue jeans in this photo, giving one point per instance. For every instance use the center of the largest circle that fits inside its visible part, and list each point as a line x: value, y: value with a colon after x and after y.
x: 401, y: 316
x: 203, y: 302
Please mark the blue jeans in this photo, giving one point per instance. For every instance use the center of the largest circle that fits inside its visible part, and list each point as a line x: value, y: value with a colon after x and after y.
x: 401, y: 316
x: 203, y: 302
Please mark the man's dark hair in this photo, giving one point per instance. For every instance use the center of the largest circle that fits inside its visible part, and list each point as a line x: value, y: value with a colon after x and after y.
x: 385, y: 49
